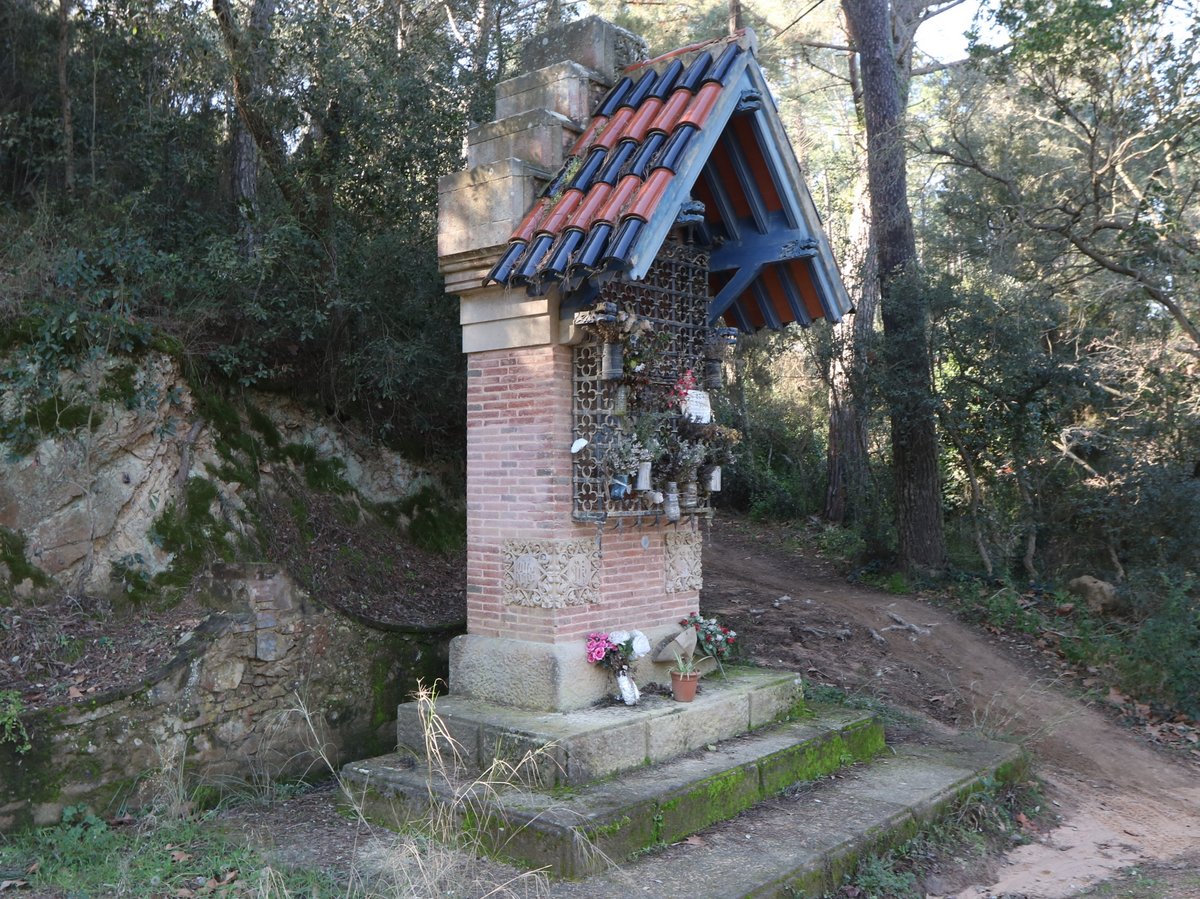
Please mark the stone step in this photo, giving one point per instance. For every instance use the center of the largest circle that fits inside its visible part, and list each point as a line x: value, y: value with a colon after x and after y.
x: 805, y: 842
x: 593, y: 743
x: 580, y: 830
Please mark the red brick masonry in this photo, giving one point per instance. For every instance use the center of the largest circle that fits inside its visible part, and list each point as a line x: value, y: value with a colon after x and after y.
x: 519, y: 487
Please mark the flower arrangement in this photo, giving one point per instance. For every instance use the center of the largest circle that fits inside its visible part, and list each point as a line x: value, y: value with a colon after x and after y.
x: 721, y: 442
x: 719, y: 342
x: 678, y: 393
x: 712, y: 638
x: 642, y: 349
x: 684, y: 458
x: 618, y: 650
x: 628, y: 451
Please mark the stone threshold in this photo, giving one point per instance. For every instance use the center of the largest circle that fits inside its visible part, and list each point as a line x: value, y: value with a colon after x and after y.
x: 805, y: 845
x: 577, y: 831
x: 579, y: 747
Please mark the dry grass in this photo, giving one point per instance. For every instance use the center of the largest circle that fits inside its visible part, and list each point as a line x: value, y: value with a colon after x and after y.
x: 435, y: 854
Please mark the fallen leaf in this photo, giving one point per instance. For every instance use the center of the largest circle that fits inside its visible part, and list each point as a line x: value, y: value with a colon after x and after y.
x: 230, y: 876
x: 74, y: 693
x: 33, y: 869
x: 179, y: 856
x: 1026, y: 824
x: 12, y: 884
x: 185, y: 893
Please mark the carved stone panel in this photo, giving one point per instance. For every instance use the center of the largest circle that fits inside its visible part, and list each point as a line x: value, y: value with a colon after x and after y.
x: 683, y: 566
x: 551, y: 574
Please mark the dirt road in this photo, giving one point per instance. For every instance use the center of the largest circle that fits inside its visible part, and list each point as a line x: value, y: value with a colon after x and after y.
x: 1121, y: 802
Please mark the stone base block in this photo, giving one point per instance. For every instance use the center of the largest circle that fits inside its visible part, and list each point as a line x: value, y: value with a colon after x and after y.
x: 551, y: 677
x: 595, y: 742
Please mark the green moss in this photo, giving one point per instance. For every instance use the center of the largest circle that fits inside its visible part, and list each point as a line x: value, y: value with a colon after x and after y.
x: 193, y: 536
x: 320, y: 474
x: 120, y: 385
x: 434, y: 522
x: 264, y: 426
x: 55, y: 415
x: 240, y: 452
x: 12, y: 555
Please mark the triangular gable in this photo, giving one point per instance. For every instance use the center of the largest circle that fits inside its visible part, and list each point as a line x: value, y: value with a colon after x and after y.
x: 692, y: 137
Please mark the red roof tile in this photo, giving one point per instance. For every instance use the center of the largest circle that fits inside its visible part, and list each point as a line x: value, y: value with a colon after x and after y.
x: 596, y: 211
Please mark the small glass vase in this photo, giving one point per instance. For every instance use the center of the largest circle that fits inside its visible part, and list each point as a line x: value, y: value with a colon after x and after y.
x: 630, y: 694
x: 643, y: 477
x: 690, y: 496
x: 671, y: 502
x: 612, y: 361
x: 618, y: 487
x: 714, y: 374
x: 620, y: 403
x: 714, y: 479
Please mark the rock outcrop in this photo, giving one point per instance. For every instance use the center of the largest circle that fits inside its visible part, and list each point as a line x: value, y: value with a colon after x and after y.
x: 85, y: 498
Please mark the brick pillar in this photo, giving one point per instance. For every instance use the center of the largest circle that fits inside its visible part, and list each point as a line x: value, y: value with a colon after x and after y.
x: 537, y: 581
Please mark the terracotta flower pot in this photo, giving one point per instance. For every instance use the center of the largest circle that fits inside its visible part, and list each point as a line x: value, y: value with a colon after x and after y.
x: 683, y: 686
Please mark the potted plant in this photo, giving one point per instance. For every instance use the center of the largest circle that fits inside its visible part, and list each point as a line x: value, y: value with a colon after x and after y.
x: 721, y: 443
x: 685, y: 677
x: 683, y: 462
x: 612, y: 325
x: 627, y: 460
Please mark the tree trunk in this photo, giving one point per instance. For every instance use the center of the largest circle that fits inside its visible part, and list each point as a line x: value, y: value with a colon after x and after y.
x: 64, y: 93
x: 903, y: 303
x: 847, y: 462
x: 244, y: 162
x: 736, y: 20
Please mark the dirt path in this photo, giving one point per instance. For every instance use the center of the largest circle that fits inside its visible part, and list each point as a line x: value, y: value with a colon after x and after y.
x: 1121, y: 802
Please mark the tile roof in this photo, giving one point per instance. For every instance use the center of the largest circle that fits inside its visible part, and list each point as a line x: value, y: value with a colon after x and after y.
x: 690, y: 137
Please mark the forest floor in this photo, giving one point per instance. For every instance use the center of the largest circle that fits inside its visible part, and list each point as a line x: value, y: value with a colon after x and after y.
x: 1120, y: 815
x: 1120, y: 811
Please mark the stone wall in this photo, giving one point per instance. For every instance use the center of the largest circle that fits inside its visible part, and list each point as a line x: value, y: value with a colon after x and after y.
x: 226, y: 710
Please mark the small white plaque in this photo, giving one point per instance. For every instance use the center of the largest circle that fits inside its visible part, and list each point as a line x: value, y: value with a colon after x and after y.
x: 697, y: 406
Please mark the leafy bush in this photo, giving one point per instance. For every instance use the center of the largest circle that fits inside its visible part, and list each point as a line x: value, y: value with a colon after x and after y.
x: 12, y: 728
x: 1164, y: 651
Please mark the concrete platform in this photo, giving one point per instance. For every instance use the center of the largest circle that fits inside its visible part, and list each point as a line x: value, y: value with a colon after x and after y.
x: 581, y: 830
x: 594, y: 743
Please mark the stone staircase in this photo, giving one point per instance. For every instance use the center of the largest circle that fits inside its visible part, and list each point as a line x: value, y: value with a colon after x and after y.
x: 611, y: 784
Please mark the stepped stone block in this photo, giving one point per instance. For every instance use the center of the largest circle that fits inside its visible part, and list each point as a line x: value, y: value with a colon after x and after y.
x: 575, y: 832
x: 596, y: 742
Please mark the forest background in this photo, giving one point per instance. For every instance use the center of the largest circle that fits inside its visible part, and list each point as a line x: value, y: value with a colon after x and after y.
x: 254, y: 187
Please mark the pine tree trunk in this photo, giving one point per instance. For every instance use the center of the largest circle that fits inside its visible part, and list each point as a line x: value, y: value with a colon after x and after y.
x: 903, y: 304
x: 64, y: 93
x: 847, y: 461
x: 245, y: 157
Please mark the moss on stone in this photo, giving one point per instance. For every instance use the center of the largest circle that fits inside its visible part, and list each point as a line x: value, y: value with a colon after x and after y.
x: 434, y: 522
x: 12, y: 556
